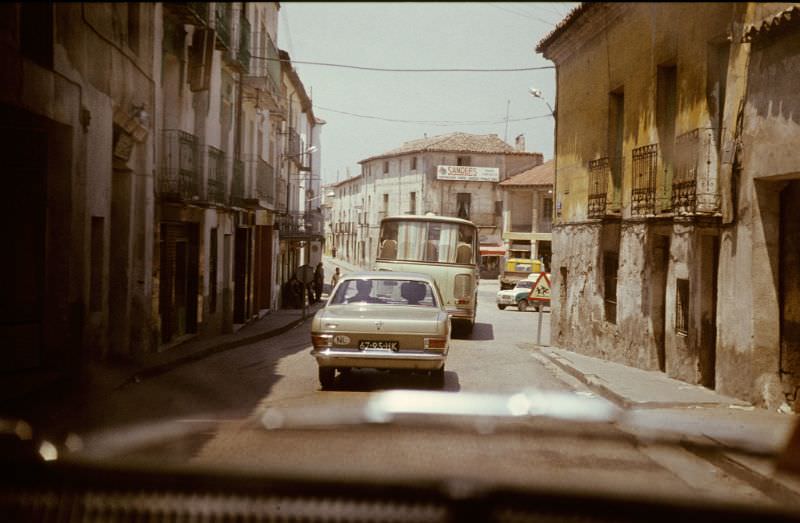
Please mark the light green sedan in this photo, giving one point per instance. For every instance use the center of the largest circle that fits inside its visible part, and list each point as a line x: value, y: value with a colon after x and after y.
x: 382, y: 320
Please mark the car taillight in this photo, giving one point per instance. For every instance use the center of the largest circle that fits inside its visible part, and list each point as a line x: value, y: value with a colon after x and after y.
x: 462, y: 288
x: 435, y: 343
x: 321, y: 341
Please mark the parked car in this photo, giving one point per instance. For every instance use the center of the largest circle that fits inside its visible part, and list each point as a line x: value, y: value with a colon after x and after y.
x: 519, y: 295
x: 382, y: 320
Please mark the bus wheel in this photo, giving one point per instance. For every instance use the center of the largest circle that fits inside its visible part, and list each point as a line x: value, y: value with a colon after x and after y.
x: 522, y: 305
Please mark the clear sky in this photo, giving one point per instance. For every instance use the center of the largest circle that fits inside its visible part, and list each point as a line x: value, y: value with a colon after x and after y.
x: 421, y: 35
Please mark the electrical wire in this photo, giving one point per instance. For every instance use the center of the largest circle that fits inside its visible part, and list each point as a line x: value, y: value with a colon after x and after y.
x: 442, y: 123
x: 398, y: 70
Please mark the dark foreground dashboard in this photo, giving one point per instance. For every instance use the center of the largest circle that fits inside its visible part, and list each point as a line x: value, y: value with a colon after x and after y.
x: 62, y: 492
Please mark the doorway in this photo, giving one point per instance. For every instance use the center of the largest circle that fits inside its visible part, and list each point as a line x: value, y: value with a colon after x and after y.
x: 789, y: 270
x: 658, y: 290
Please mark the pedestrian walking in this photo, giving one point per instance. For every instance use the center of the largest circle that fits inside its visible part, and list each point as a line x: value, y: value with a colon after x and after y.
x: 335, y: 278
x: 319, y: 280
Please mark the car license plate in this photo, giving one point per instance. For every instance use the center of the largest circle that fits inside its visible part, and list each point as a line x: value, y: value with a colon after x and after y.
x: 378, y: 345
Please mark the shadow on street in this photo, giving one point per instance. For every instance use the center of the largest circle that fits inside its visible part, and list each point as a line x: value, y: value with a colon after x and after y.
x: 368, y: 380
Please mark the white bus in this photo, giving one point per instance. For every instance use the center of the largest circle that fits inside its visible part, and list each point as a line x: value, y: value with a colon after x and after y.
x: 444, y: 248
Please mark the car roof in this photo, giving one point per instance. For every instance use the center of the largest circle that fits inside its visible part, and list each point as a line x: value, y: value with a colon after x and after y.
x: 387, y: 275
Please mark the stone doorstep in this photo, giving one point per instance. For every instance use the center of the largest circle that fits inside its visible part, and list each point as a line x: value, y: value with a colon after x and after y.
x: 592, y: 371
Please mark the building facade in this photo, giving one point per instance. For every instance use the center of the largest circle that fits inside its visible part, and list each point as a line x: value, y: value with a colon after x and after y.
x: 449, y: 175
x: 146, y: 139
x: 527, y: 216
x: 668, y: 232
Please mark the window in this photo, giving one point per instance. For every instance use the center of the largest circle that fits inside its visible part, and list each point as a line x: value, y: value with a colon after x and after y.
x: 547, y: 209
x: 498, y: 208
x: 616, y: 128
x: 412, y: 203
x: 666, y: 114
x: 464, y: 160
x: 385, y: 167
x: 414, y: 163
x: 463, y: 201
x: 682, y: 307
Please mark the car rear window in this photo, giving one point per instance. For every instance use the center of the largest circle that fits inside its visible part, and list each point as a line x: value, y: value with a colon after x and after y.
x: 385, y: 291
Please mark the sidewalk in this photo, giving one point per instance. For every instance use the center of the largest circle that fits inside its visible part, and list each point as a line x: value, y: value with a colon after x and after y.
x: 104, y: 377
x: 653, y: 401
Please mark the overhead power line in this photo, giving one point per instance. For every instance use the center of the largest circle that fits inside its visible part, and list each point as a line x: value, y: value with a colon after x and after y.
x: 442, y: 123
x: 401, y: 70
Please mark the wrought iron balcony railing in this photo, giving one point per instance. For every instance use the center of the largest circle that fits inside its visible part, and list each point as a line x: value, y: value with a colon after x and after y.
x: 644, y: 174
x: 694, y: 185
x: 181, y: 166
x: 603, y: 196
x: 300, y: 224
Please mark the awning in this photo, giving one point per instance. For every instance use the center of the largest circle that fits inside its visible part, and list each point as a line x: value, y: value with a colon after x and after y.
x: 492, y: 250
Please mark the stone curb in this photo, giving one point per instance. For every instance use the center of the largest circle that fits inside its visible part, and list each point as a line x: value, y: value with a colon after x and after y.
x: 600, y: 386
x: 155, y: 370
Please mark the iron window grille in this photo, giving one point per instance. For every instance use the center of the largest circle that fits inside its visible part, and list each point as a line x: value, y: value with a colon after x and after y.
x: 644, y: 173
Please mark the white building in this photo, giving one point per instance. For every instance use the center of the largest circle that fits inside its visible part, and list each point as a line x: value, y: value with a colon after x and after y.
x: 454, y: 174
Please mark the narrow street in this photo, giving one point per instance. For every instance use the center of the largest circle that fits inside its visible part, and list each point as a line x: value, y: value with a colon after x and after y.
x: 216, y: 406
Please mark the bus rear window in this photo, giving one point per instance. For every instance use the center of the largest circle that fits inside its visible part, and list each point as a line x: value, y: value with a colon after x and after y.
x: 435, y: 242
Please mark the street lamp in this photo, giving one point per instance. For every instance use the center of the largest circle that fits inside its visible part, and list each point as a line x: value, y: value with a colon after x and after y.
x: 536, y: 93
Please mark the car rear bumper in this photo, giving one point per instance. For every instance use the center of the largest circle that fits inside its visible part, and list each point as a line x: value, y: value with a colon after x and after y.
x: 380, y: 360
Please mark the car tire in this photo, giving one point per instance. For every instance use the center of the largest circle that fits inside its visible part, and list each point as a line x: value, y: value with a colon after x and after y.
x: 437, y: 378
x: 522, y: 305
x: 326, y: 377
x: 501, y: 307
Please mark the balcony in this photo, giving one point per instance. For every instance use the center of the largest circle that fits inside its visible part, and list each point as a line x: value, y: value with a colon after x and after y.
x: 644, y: 174
x: 521, y: 227
x: 599, y: 174
x: 694, y: 186
x: 181, y: 167
x: 300, y: 225
x: 216, y: 176
x: 603, y: 197
x: 265, y: 182
x: 223, y: 25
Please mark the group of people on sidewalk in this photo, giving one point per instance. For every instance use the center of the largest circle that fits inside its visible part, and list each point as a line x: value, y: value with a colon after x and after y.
x: 295, y: 292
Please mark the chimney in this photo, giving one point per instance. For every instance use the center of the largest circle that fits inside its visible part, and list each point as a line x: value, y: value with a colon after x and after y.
x: 519, y: 143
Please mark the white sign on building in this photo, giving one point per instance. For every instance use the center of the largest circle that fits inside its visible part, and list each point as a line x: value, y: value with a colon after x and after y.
x: 465, y: 173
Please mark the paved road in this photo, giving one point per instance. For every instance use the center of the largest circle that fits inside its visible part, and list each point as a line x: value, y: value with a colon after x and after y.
x: 220, y: 401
